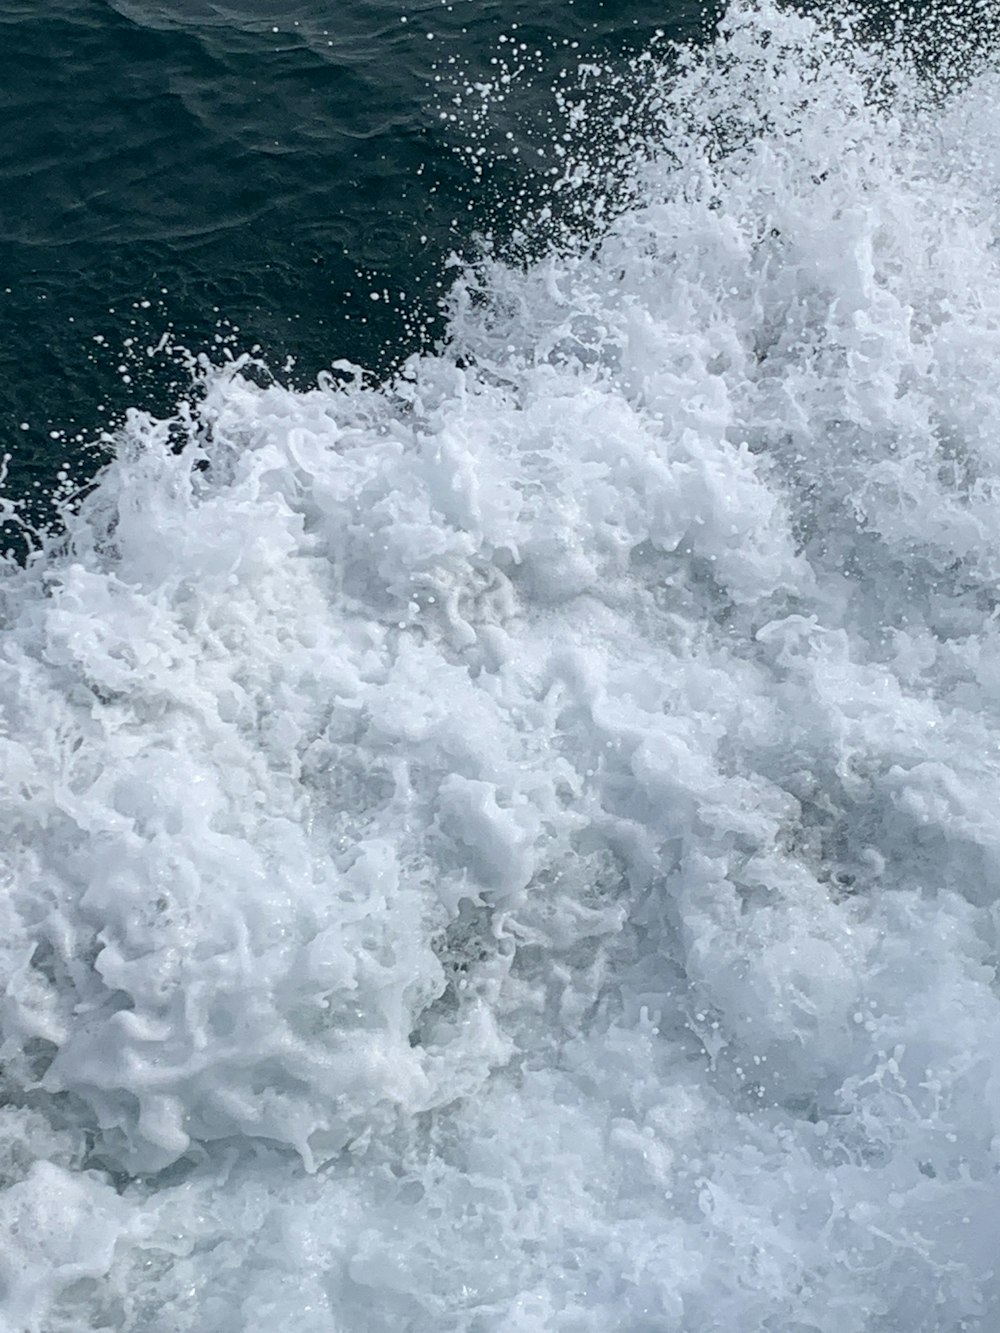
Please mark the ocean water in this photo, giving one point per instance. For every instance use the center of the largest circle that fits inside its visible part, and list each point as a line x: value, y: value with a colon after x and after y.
x: 232, y: 169
x: 512, y: 845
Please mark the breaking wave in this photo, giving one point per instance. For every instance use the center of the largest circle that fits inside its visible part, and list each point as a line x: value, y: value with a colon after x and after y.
x: 515, y: 847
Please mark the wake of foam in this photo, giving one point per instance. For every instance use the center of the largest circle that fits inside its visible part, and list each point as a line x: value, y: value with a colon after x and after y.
x: 515, y: 848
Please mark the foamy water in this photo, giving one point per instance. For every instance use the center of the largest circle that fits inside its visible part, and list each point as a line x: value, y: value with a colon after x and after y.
x: 516, y: 848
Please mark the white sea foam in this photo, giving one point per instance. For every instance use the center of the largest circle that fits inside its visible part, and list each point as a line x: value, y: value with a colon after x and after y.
x: 516, y: 849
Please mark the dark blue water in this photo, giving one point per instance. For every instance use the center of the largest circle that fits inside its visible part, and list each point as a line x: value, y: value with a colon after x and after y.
x: 246, y: 170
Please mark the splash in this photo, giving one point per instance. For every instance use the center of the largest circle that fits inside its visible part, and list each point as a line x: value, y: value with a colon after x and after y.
x: 514, y: 847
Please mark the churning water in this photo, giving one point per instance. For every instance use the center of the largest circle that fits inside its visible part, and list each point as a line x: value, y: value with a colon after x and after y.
x: 515, y: 847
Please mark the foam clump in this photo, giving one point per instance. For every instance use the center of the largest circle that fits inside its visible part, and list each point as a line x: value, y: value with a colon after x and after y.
x: 514, y: 848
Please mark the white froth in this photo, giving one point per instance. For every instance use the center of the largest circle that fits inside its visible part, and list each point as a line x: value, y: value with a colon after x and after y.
x: 516, y: 849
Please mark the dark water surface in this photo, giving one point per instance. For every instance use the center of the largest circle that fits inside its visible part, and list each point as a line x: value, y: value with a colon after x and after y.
x: 253, y: 166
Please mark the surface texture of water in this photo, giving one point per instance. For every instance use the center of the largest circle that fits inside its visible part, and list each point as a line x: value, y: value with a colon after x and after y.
x: 511, y: 846
x: 187, y: 165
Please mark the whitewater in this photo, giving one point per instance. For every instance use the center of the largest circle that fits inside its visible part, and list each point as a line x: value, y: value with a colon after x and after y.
x: 516, y: 846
